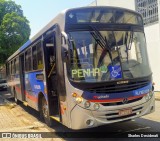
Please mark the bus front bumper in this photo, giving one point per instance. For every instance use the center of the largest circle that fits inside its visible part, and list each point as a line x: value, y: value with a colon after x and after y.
x: 82, y: 118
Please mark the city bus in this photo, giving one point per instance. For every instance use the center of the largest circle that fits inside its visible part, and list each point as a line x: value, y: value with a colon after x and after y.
x: 86, y: 68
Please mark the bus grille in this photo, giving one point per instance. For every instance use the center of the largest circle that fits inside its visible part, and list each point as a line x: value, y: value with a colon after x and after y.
x: 114, y: 88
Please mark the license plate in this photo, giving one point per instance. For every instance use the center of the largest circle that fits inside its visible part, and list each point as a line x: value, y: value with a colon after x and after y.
x: 125, y: 112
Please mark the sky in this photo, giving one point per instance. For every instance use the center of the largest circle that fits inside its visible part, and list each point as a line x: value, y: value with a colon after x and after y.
x: 41, y: 12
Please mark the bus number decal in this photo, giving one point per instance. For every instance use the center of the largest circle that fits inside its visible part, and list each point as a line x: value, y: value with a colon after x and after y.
x: 38, y: 87
x: 85, y: 72
x: 142, y: 92
x: 80, y: 73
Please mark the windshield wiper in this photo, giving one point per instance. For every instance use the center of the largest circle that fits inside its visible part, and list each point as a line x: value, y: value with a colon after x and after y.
x: 102, y: 42
x: 129, y: 45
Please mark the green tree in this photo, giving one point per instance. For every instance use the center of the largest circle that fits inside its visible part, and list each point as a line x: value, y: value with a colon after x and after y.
x: 14, y: 28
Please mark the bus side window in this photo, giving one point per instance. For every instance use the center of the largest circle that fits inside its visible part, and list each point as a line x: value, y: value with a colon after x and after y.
x: 34, y: 58
x: 7, y: 69
x: 10, y: 68
x: 15, y: 68
x: 28, y: 60
x: 39, y: 56
x: 17, y: 65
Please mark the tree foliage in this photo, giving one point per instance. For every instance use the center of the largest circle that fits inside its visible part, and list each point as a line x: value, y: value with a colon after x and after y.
x: 14, y: 28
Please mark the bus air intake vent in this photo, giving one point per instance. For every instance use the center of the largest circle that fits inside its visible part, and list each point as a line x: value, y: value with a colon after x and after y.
x: 114, y: 88
x: 123, y: 117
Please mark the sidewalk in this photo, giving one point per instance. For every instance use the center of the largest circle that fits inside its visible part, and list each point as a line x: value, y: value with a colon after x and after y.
x: 14, y: 118
x: 157, y: 96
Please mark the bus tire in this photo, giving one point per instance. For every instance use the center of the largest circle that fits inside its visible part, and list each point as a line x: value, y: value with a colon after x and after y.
x: 15, y: 97
x: 44, y: 112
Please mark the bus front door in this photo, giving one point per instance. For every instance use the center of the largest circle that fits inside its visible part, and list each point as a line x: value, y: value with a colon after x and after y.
x: 51, y: 74
x: 22, y: 78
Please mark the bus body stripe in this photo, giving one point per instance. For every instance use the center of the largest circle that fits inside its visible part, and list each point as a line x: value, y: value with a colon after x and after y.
x: 117, y: 100
x: 33, y: 98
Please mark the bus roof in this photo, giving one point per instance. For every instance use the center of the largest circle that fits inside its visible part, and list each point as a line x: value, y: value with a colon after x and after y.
x: 60, y: 20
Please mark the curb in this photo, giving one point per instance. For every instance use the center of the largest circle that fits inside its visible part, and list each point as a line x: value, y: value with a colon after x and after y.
x: 157, y: 99
x: 157, y: 95
x: 4, y: 101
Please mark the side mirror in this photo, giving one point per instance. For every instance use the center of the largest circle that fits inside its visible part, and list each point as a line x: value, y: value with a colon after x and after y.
x: 64, y: 47
x: 64, y: 54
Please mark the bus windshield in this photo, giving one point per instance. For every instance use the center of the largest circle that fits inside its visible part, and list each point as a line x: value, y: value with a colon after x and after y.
x: 97, y: 56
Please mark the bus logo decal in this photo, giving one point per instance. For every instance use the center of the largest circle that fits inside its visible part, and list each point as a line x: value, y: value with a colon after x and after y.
x: 144, y: 91
x: 123, y: 82
x: 125, y: 101
x: 101, y: 97
x: 38, y: 87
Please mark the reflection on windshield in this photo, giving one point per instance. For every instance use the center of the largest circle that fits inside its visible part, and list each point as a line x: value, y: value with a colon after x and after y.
x: 103, y: 15
x: 107, y: 55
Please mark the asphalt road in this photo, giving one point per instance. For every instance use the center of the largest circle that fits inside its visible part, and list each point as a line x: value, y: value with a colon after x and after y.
x: 147, y: 124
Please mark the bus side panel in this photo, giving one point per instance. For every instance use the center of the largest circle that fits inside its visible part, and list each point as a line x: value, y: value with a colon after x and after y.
x: 32, y: 88
x: 10, y: 84
x: 17, y: 87
x: 14, y: 86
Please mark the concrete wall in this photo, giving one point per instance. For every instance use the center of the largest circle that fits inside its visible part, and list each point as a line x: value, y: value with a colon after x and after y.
x: 153, y: 46
x: 130, y: 4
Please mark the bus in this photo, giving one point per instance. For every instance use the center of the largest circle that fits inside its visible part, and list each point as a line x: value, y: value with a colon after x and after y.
x: 86, y: 68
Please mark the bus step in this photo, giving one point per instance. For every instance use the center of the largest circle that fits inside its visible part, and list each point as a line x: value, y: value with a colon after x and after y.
x: 56, y: 117
x: 25, y: 103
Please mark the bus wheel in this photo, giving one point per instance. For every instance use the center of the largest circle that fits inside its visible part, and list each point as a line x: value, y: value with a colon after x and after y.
x: 15, y: 97
x: 44, y: 112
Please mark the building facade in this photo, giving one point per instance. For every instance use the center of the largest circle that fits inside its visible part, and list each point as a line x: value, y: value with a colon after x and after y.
x: 116, y: 3
x: 148, y: 9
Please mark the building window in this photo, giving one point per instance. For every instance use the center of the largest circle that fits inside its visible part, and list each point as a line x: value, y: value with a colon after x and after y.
x: 34, y: 59
x: 148, y: 9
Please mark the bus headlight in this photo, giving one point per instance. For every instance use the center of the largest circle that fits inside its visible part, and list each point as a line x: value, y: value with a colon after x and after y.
x: 79, y: 100
x: 96, y: 106
x: 87, y: 104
